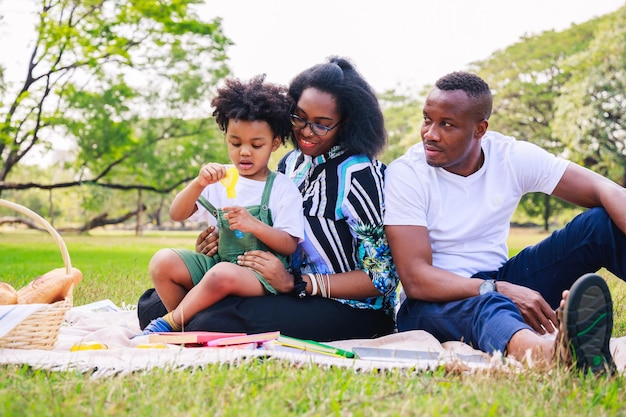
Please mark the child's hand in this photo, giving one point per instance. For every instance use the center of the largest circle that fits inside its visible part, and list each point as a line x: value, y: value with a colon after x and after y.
x: 240, y: 219
x: 211, y: 173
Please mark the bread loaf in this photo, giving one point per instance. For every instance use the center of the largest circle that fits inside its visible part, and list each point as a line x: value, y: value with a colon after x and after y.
x: 49, y: 288
x: 8, y: 295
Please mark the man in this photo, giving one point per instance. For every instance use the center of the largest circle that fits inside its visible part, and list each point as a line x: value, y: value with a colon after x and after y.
x: 448, y: 203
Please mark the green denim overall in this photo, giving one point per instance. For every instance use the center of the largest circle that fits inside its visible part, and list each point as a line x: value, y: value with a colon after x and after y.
x: 230, y: 246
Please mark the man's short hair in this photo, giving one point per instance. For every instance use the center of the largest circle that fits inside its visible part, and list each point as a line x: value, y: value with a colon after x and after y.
x: 475, y: 87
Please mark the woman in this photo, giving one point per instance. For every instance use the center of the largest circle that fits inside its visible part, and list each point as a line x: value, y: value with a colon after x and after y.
x: 342, y: 283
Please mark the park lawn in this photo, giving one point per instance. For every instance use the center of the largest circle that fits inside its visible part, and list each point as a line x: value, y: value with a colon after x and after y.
x: 115, y: 267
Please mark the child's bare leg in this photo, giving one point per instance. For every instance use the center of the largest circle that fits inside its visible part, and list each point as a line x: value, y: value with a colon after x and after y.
x: 170, y: 277
x: 222, y: 280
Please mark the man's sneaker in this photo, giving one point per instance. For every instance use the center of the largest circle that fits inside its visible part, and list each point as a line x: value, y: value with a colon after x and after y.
x: 586, y: 325
x: 158, y: 325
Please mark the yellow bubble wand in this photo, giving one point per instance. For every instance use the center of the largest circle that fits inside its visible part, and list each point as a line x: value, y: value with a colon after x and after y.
x: 229, y: 181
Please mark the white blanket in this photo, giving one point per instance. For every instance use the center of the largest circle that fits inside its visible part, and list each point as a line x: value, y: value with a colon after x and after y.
x: 124, y: 354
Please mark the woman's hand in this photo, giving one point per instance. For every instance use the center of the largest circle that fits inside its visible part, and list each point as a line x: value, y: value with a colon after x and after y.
x: 268, y: 265
x: 207, y: 241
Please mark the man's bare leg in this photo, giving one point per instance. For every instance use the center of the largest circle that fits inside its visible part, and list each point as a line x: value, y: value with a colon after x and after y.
x: 585, y: 330
x: 527, y: 342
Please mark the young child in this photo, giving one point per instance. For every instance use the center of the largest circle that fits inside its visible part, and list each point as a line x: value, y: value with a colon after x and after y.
x: 255, y: 119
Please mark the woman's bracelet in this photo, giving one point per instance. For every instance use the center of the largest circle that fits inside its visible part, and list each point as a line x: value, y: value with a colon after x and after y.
x: 319, y: 282
x: 323, y: 282
x: 313, y: 285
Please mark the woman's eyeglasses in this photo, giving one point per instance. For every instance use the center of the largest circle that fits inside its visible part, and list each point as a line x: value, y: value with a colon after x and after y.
x: 316, y: 128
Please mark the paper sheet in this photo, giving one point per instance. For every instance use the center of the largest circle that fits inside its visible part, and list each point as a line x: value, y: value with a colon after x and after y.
x: 14, y: 314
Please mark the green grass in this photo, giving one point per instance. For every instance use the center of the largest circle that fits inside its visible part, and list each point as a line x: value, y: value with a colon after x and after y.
x: 115, y: 267
x: 273, y: 388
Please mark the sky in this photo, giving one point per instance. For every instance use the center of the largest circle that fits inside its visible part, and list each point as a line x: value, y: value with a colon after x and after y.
x: 395, y: 44
x: 392, y: 42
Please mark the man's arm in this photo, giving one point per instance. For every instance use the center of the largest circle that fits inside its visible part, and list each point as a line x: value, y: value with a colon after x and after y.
x: 586, y: 188
x: 412, y: 255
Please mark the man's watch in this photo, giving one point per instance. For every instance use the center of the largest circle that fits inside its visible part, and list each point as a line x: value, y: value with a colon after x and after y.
x: 488, y: 285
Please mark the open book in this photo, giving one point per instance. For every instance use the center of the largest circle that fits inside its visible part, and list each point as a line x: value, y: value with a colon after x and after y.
x: 312, y: 346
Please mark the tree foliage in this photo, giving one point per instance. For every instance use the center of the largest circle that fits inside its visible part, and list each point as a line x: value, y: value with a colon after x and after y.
x: 118, y: 91
x: 564, y: 91
x: 590, y: 113
x: 403, y: 119
x: 115, y: 99
x: 537, y: 84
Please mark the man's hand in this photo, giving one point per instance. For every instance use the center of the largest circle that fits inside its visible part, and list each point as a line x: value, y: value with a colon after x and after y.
x: 536, y: 311
x: 270, y: 267
x: 207, y: 241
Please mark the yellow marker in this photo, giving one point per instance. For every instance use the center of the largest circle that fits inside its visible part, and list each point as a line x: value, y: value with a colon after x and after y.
x: 152, y: 346
x: 230, y: 180
x: 89, y: 346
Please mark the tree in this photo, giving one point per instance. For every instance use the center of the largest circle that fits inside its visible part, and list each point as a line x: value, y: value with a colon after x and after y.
x: 113, y: 82
x: 527, y: 79
x: 403, y: 118
x: 590, y: 114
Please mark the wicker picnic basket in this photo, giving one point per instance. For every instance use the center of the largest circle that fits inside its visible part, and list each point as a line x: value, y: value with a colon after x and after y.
x: 41, y: 329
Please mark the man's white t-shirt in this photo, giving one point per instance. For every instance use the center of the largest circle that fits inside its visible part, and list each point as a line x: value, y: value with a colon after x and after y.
x: 285, y: 202
x: 468, y: 218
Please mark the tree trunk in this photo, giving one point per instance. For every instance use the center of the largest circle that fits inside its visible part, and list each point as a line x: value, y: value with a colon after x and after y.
x: 138, y: 228
x: 546, y: 212
x: 50, y: 208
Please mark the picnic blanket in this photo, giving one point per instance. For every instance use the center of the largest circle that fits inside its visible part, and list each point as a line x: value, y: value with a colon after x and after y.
x: 124, y: 354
